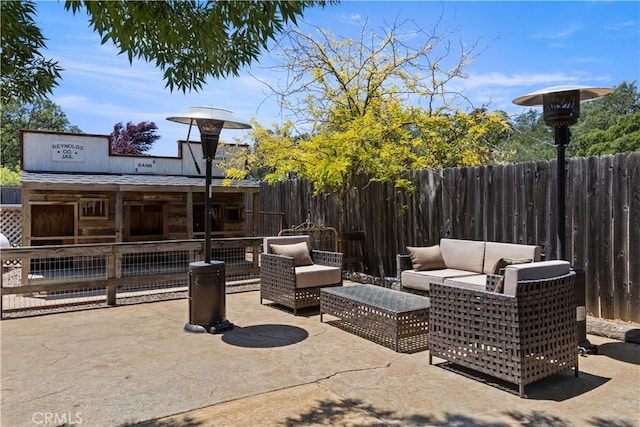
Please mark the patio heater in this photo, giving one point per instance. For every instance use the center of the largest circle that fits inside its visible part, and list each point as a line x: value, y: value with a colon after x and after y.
x: 207, y: 295
x: 561, y: 109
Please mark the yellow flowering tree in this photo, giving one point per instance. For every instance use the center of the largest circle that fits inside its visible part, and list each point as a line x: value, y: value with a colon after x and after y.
x: 356, y: 99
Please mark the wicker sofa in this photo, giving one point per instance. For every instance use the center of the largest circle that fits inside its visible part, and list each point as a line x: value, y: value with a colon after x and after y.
x: 527, y: 333
x: 466, y: 263
x: 292, y: 274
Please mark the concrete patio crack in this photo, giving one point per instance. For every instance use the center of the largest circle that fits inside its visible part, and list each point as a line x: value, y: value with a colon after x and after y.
x: 58, y: 359
x: 346, y: 371
x: 46, y: 395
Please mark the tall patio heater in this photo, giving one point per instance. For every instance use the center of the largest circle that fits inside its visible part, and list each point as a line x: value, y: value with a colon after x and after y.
x: 561, y: 109
x: 207, y: 295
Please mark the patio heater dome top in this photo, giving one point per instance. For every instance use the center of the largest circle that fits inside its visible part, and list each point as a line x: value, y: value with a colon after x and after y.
x: 586, y: 94
x: 561, y: 104
x: 193, y: 114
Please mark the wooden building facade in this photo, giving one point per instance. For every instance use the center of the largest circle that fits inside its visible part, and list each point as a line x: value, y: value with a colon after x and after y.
x: 74, y: 190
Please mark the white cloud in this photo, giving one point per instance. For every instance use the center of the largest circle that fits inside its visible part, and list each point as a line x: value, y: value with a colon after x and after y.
x: 586, y: 60
x: 351, y: 19
x: 502, y: 79
x: 621, y: 26
x: 562, y: 33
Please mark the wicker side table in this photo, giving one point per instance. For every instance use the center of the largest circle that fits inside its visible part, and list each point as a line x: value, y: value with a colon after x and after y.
x: 395, y: 319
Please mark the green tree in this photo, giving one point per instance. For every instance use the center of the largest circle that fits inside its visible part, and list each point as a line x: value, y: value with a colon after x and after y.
x: 188, y: 40
x: 529, y: 139
x: 26, y: 73
x: 623, y: 137
x: 9, y: 176
x: 600, y: 115
x: 39, y: 115
x: 354, y: 99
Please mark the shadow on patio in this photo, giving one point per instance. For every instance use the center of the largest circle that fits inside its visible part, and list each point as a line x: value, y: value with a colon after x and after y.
x: 134, y: 365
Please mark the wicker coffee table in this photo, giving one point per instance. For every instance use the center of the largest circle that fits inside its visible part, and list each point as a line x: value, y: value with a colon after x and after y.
x: 395, y: 319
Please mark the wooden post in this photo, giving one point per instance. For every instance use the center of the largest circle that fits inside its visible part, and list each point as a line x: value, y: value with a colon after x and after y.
x: 190, y: 214
x: 255, y: 214
x: 112, y: 272
x: 119, y: 216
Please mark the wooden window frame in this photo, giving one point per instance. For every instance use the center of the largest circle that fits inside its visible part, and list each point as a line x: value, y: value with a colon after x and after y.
x: 233, y: 214
x: 105, y: 209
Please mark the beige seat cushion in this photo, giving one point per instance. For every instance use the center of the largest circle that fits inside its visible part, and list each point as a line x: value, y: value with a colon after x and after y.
x: 426, y: 258
x: 299, y: 252
x: 311, y: 276
x: 477, y: 282
x: 533, y: 271
x: 496, y: 250
x: 420, y: 279
x: 467, y: 255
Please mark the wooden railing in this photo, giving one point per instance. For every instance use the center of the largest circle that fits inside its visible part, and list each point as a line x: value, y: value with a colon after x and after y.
x: 94, y: 272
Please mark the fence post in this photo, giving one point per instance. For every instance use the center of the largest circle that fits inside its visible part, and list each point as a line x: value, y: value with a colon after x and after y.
x: 111, y: 274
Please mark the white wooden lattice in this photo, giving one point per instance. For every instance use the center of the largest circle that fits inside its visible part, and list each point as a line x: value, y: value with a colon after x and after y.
x: 11, y: 224
x: 11, y: 227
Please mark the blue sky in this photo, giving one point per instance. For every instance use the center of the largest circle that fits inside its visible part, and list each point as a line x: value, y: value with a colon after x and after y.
x: 527, y: 46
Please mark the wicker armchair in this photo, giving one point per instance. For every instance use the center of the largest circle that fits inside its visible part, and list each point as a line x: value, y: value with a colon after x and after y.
x: 295, y: 287
x: 526, y: 334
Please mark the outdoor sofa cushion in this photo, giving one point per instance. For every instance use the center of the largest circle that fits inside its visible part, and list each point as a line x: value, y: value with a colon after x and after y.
x: 496, y: 250
x: 533, y: 271
x: 502, y: 263
x: 420, y: 279
x: 298, y: 251
x: 466, y: 255
x: 310, y: 276
x: 477, y: 282
x: 282, y: 240
x: 426, y: 258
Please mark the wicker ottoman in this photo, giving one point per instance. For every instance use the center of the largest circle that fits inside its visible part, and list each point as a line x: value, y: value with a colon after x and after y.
x: 395, y: 319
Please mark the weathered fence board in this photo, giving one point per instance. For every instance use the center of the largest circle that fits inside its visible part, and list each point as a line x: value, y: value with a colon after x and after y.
x: 506, y: 203
x: 592, y: 238
x: 633, y: 259
x: 620, y: 237
x: 542, y: 206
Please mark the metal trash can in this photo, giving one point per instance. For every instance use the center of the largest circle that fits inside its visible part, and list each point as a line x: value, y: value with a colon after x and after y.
x: 207, y: 297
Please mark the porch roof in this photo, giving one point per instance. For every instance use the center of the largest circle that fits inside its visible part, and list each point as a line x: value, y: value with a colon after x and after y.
x: 125, y: 182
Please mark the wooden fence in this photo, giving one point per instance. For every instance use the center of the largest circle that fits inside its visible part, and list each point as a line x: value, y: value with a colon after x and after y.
x: 10, y: 195
x: 506, y: 203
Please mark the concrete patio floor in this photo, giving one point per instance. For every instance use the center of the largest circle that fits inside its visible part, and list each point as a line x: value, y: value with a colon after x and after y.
x: 135, y: 365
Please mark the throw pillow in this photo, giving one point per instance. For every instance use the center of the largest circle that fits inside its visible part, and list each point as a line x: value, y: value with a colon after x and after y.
x: 499, y: 286
x: 503, y: 262
x: 299, y: 252
x: 426, y: 258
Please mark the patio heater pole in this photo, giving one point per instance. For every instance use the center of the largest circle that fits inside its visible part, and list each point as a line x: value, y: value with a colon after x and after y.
x: 209, y: 148
x: 561, y: 140
x: 561, y: 109
x: 207, y: 295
